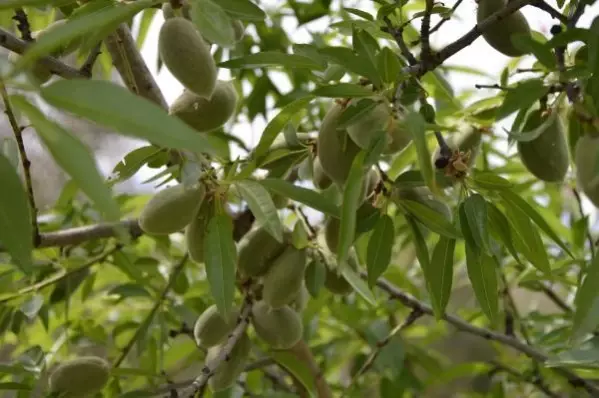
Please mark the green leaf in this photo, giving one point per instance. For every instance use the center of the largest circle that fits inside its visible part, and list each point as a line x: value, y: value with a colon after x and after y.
x: 516, y: 201
x: 527, y: 136
x: 359, y: 13
x: 441, y: 275
x: 433, y: 220
x: 297, y: 368
x: 11, y: 4
x: 525, y: 42
x: 380, y: 246
x: 523, y: 95
x: 491, y: 181
x: 586, y: 315
x: 79, y: 26
x: 306, y: 196
x: 342, y: 90
x: 388, y: 65
x: 355, y: 281
x: 366, y: 47
x: 74, y: 158
x: 16, y: 229
x: 220, y: 256
x: 347, y: 58
x: 315, y: 276
x: 271, y: 58
x: 114, y: 106
x: 424, y: 259
x: 355, y: 111
x: 500, y: 227
x: 212, y: 22
x: 415, y: 123
x: 277, y: 123
x: 527, y: 239
x: 244, y: 10
x: 474, y: 209
x: 262, y: 207
x: 483, y: 277
x: 349, y: 207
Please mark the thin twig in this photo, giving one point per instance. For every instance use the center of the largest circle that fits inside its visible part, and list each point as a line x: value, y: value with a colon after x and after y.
x: 61, y: 275
x: 532, y: 352
x: 557, y: 300
x: 131, y: 66
x: 426, y: 53
x: 23, y: 25
x: 576, y: 14
x: 25, y: 162
x: 141, y: 329
x: 199, y: 384
x: 14, y: 44
x: 88, y: 65
x: 397, y: 34
x: 537, y: 382
x: 380, y: 345
x: 542, y: 5
x: 445, y: 18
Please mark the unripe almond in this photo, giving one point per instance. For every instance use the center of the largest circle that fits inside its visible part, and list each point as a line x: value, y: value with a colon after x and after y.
x: 205, y: 114
x: 238, y: 30
x: 336, y: 150
x: 187, y: 56
x: 80, y: 377
x: 587, y: 175
x: 211, y: 328
x: 280, y: 328
x: 320, y: 179
x: 336, y: 283
x: 546, y: 157
x: 284, y: 278
x: 38, y: 71
x: 227, y: 372
x: 331, y: 233
x: 499, y: 35
x: 171, y: 209
x: 257, y: 251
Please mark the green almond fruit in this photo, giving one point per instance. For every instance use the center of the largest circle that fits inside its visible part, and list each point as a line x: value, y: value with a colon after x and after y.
x: 171, y: 209
x: 336, y: 150
x: 380, y: 118
x: 280, y: 328
x: 587, y: 167
x: 38, y: 71
x: 336, y: 283
x: 227, y: 373
x: 212, y: 329
x: 546, y: 157
x: 283, y: 280
x: 301, y: 300
x: 80, y: 377
x: 238, y: 30
x: 331, y: 233
x: 257, y: 251
x: 582, y: 55
x: 187, y: 56
x: 499, y: 35
x: 205, y: 114
x: 320, y: 179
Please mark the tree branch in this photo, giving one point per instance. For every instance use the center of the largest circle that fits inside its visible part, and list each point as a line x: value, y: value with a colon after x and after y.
x: 23, y: 25
x: 426, y: 54
x: 199, y: 384
x: 411, y: 302
x: 131, y: 66
x: 576, y: 14
x: 25, y: 162
x: 88, y: 65
x: 14, y: 44
x: 536, y: 382
x: 142, y: 328
x: 542, y: 5
x: 397, y: 34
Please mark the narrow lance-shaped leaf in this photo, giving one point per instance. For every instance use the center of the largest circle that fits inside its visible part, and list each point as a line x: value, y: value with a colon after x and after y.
x: 351, y: 276
x: 475, y: 210
x: 349, y: 207
x: 16, y: 230
x: 262, y: 207
x: 379, y: 250
x: 516, y: 201
x: 500, y: 228
x: 432, y: 219
x: 586, y: 316
x: 271, y: 58
x: 309, y: 197
x: 415, y: 123
x: 220, y: 256
x: 114, y: 106
x: 73, y: 157
x: 483, y: 277
x: 243, y: 9
x: 212, y: 22
x: 441, y: 275
x: 276, y: 125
